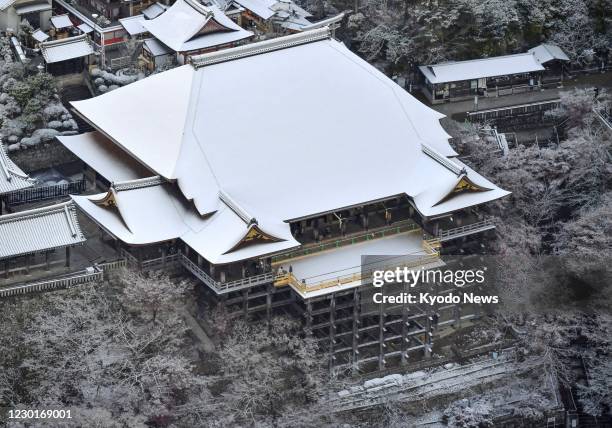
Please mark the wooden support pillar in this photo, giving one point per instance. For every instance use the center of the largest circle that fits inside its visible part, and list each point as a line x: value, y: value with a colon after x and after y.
x: 332, y: 329
x: 67, y: 257
x: 245, y: 303
x: 47, y: 260
x: 309, y: 314
x: 457, y: 316
x: 405, y: 325
x: 211, y: 271
x: 269, y: 289
x: 164, y: 250
x: 381, y: 336
x: 356, y: 321
x: 428, y: 335
x: 7, y: 267
x: 27, y: 264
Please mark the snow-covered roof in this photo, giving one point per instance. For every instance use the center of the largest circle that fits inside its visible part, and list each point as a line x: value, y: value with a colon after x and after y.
x: 154, y: 10
x: 12, y: 178
x: 105, y: 157
x: 479, y: 68
x: 261, y: 8
x: 368, y: 143
x: 169, y: 216
x: 65, y: 49
x: 85, y: 28
x: 5, y: 4
x: 156, y: 47
x: 39, y: 229
x: 61, y: 21
x: 22, y: 9
x: 547, y: 52
x: 133, y: 24
x: 189, y: 25
x: 40, y: 36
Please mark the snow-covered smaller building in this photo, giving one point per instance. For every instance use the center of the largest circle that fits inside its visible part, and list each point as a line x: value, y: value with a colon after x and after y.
x: 69, y: 55
x: 12, y: 12
x: 31, y: 238
x: 190, y: 28
x: 500, y: 75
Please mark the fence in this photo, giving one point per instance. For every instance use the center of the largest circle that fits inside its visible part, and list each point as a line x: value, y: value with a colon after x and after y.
x: 308, y: 249
x: 121, y: 62
x: 457, y: 232
x: 83, y: 277
x: 41, y: 193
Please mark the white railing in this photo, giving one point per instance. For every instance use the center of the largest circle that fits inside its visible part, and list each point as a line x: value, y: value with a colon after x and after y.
x: 225, y: 287
x: 71, y: 281
x: 160, y: 262
x: 114, y: 265
x: 468, y: 229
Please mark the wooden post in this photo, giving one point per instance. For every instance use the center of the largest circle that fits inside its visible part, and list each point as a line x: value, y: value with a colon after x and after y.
x: 405, y: 324
x: 47, y: 261
x: 245, y: 303
x: 269, y: 288
x: 356, y: 303
x: 27, y: 264
x: 309, y: 314
x: 67, y: 257
x: 332, y: 329
x: 7, y: 267
x: 381, y: 336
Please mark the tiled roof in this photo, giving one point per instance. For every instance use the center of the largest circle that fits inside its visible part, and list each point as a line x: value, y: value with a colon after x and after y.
x: 40, y: 229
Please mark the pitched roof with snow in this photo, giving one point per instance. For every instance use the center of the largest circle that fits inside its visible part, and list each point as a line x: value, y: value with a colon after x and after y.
x: 5, y: 4
x: 154, y: 10
x: 12, y: 178
x: 480, y: 68
x: 65, y: 49
x: 188, y: 25
x: 39, y: 229
x: 547, y: 52
x: 39, y: 35
x: 61, y: 21
x: 133, y: 24
x: 211, y: 139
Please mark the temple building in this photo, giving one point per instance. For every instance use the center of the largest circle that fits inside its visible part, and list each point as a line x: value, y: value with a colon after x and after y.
x: 190, y: 28
x: 271, y: 170
x: 495, y: 76
x: 68, y: 55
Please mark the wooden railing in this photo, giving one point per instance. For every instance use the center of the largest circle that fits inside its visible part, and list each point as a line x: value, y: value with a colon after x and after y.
x: 84, y: 277
x: 225, y: 287
x: 111, y: 266
x: 431, y: 255
x: 41, y: 193
x: 308, y: 249
x: 468, y: 229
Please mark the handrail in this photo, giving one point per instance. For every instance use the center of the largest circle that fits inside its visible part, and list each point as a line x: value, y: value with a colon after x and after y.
x: 487, y: 223
x: 308, y: 249
x: 71, y: 281
x: 225, y: 287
